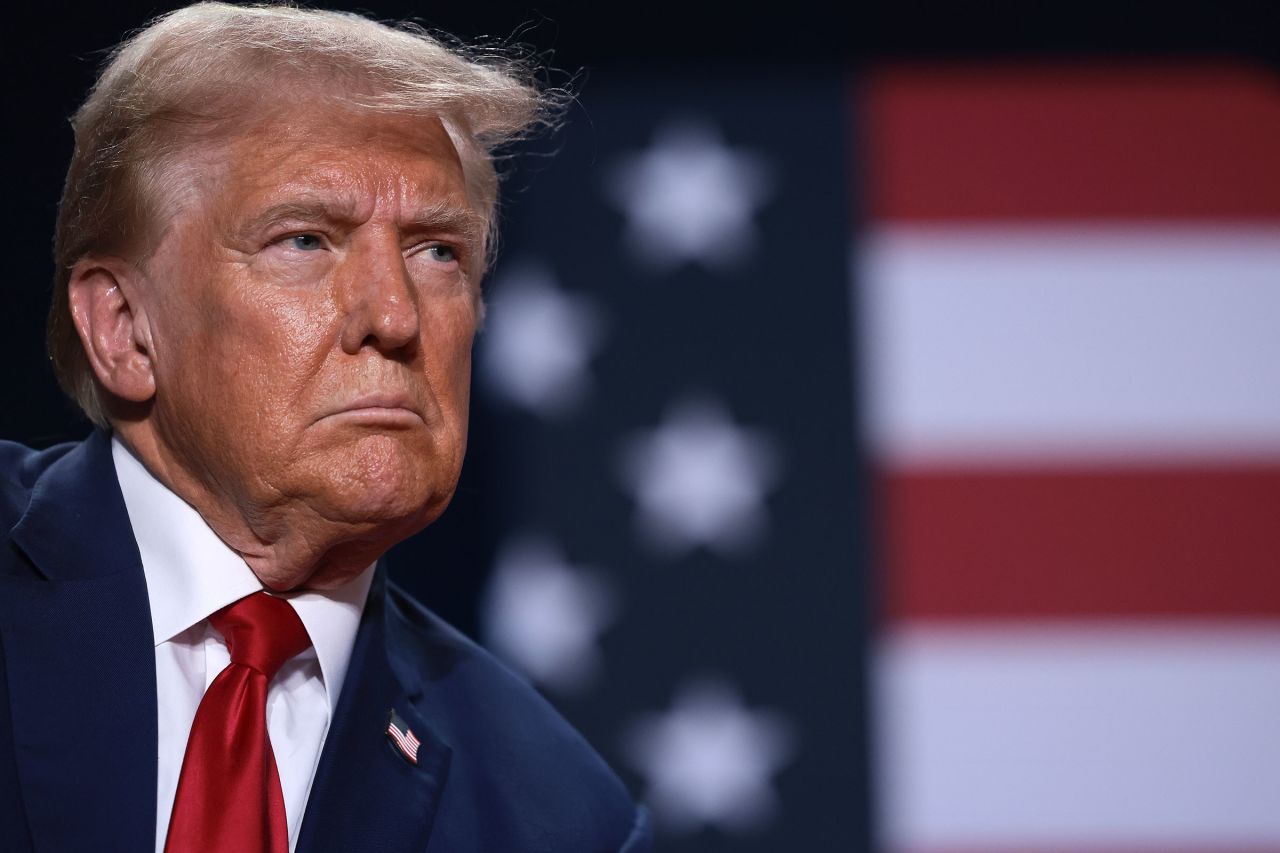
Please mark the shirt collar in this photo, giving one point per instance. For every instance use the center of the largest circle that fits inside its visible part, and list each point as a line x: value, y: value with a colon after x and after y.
x: 191, y: 573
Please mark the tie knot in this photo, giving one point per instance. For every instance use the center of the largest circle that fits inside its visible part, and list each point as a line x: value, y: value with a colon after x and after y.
x: 262, y: 632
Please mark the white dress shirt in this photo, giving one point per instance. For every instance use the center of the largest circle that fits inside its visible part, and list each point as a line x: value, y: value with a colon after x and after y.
x: 190, y: 574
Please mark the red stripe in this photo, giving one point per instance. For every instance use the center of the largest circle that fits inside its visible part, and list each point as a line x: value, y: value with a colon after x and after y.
x: 1093, y: 543
x: 1073, y: 141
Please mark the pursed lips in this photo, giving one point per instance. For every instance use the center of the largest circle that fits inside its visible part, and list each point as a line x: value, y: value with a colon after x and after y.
x: 388, y: 406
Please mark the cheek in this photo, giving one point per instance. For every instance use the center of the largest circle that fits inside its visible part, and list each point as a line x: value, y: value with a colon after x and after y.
x: 256, y: 358
x: 293, y: 336
x: 450, y: 334
x: 448, y: 331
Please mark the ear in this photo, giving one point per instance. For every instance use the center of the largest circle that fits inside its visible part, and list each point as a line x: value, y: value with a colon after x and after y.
x: 105, y: 305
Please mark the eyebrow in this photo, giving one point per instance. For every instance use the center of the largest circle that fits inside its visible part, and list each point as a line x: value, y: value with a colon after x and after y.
x: 439, y: 215
x: 443, y: 215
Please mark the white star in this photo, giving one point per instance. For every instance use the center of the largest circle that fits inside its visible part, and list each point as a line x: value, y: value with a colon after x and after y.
x: 537, y: 342
x: 690, y: 198
x: 698, y: 479
x: 709, y: 761
x: 544, y: 616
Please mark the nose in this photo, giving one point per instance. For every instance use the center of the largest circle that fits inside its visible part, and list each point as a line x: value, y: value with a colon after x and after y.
x: 381, y: 302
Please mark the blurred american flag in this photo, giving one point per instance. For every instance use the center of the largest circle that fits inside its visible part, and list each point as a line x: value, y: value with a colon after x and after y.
x: 1071, y: 278
x: 894, y: 462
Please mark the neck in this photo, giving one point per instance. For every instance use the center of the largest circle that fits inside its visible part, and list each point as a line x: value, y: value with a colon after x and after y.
x: 283, y: 542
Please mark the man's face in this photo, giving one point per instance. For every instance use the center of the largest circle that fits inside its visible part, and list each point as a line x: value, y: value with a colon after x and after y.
x: 311, y: 314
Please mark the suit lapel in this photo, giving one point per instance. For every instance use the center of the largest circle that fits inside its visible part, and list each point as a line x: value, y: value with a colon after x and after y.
x: 76, y: 640
x: 367, y: 796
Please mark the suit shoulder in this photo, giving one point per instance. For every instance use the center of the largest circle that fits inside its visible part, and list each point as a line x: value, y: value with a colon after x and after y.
x: 20, y: 467
x: 511, y: 747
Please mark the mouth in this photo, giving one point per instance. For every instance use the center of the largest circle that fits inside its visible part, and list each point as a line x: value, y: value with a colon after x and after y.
x: 378, y: 409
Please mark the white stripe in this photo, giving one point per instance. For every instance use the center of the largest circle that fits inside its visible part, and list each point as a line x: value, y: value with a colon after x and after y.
x: 1079, y: 737
x: 1081, y: 342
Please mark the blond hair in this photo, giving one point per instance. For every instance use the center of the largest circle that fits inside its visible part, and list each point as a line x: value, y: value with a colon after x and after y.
x: 198, y: 72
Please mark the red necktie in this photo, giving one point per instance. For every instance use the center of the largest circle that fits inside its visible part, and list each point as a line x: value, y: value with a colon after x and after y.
x: 229, y: 798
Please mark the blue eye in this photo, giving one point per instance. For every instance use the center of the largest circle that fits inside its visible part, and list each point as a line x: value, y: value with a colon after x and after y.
x: 305, y: 242
x: 443, y: 253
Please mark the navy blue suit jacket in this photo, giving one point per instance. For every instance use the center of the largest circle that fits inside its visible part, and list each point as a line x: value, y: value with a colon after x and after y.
x: 499, y: 770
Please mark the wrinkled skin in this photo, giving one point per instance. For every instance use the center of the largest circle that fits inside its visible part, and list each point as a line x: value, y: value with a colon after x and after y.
x: 296, y: 351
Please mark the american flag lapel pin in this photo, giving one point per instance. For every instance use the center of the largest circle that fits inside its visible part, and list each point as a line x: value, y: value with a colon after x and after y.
x: 402, y: 737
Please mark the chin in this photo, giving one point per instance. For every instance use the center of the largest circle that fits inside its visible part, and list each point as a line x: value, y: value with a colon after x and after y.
x: 386, y: 480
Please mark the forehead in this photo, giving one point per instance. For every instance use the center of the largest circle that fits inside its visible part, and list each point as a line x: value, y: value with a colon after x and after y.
x: 358, y: 154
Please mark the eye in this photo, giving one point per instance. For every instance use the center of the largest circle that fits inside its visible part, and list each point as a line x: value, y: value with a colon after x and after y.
x: 306, y: 242
x: 442, y: 253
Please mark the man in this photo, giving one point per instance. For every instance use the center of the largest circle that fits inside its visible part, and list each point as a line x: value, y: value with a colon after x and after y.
x: 269, y: 253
